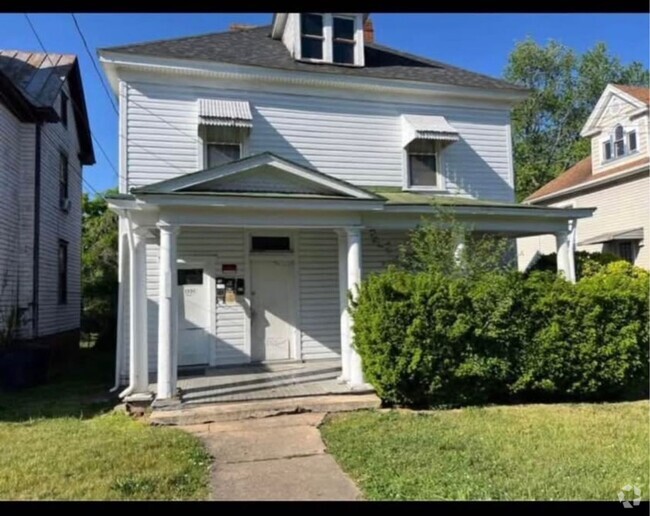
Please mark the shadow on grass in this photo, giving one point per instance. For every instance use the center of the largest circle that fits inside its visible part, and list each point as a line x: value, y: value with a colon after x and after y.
x: 81, y: 392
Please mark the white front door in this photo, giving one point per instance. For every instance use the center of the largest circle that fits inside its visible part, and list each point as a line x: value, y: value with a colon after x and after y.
x: 193, y: 316
x: 271, y: 309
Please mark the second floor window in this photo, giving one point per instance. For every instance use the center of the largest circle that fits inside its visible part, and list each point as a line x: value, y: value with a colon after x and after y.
x: 311, y: 36
x: 422, y: 164
x: 620, y: 143
x: 220, y: 153
x: 64, y: 109
x: 63, y: 180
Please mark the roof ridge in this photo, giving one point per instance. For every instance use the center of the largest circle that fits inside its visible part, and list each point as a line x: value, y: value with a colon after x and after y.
x: 181, y: 38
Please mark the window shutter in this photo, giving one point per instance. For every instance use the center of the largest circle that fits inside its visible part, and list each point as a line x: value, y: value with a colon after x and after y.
x: 632, y: 140
x: 608, y: 150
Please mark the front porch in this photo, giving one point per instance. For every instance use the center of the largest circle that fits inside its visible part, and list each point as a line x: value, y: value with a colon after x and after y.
x: 262, y: 382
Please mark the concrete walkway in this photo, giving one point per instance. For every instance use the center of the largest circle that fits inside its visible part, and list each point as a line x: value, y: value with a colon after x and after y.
x: 274, y: 458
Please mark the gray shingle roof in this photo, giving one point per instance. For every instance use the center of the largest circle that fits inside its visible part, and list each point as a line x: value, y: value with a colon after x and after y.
x: 254, y: 47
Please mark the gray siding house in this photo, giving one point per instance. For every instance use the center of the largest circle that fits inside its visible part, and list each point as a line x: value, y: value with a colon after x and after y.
x: 44, y: 143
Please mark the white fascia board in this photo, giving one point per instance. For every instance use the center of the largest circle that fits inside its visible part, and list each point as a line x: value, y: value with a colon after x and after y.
x: 258, y: 73
x: 596, y: 182
x: 588, y: 129
x: 252, y: 203
x: 279, y: 24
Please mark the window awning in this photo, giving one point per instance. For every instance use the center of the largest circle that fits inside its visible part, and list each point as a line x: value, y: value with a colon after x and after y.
x: 630, y: 234
x: 230, y: 113
x: 422, y: 127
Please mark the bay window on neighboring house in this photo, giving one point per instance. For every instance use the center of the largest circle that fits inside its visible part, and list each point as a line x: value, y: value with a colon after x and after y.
x: 224, y: 127
x: 619, y: 143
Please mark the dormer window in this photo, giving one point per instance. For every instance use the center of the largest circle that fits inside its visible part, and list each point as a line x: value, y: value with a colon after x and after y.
x: 311, y: 41
x: 330, y: 38
x: 343, y: 40
x: 619, y: 144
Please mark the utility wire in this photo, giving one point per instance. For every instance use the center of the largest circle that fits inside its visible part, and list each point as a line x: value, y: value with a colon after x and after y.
x: 75, y: 105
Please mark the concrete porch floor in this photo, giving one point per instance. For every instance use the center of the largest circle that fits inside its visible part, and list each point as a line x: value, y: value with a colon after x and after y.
x: 264, y: 382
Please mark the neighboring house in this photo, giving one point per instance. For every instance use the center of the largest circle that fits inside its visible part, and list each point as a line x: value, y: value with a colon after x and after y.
x: 265, y: 170
x: 614, y: 179
x: 44, y: 143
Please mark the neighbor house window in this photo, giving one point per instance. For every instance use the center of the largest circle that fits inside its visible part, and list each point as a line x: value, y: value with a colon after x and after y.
x: 343, y: 40
x: 63, y: 180
x: 422, y: 164
x: 626, y: 251
x: 64, y: 109
x: 63, y: 272
x: 619, y: 144
x: 311, y: 36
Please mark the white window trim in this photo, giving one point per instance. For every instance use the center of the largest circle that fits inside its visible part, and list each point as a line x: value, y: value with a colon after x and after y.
x: 203, y: 143
x: 441, y: 185
x: 328, y: 39
x: 611, y: 139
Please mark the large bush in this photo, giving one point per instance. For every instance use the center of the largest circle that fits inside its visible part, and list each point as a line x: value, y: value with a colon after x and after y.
x: 590, y: 340
x: 450, y: 332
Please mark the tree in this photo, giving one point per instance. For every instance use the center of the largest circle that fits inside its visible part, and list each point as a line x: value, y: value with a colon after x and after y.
x: 99, y: 270
x: 566, y: 87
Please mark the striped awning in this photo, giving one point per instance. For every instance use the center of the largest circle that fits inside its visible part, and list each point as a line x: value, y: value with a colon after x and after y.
x: 422, y: 127
x: 231, y: 113
x: 630, y: 234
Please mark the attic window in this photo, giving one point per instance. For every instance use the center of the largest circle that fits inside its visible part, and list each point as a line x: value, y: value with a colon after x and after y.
x: 311, y: 41
x: 343, y: 43
x: 619, y: 144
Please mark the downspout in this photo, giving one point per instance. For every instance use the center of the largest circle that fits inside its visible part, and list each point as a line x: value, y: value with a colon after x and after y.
x: 37, y: 231
x: 129, y: 235
x: 119, y: 342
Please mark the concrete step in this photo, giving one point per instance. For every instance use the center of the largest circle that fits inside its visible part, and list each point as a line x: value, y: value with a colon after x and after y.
x: 216, y: 412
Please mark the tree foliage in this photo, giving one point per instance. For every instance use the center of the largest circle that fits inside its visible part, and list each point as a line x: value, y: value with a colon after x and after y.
x: 566, y: 87
x: 99, y: 270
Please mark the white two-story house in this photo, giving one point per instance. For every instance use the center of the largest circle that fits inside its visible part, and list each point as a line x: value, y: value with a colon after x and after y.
x: 614, y: 178
x: 45, y: 141
x: 264, y: 169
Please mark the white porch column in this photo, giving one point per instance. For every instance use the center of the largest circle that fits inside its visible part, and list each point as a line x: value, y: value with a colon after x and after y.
x: 354, y: 278
x: 138, y: 364
x: 343, y: 299
x: 167, y: 309
x: 565, y: 259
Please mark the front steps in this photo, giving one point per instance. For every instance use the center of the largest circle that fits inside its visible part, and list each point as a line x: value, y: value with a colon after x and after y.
x: 195, y: 414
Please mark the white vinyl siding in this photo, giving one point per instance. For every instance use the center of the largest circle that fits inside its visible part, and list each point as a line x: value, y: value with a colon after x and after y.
x: 56, y: 225
x: 359, y: 141
x: 319, y: 294
x: 380, y: 248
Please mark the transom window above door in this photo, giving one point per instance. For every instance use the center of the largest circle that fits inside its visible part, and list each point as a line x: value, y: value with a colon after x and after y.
x: 260, y: 244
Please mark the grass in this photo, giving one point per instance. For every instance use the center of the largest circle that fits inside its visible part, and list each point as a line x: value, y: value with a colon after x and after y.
x: 62, y: 442
x: 533, y: 452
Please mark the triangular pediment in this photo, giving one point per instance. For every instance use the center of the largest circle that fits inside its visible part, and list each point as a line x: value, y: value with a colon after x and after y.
x: 261, y: 173
x: 614, y: 106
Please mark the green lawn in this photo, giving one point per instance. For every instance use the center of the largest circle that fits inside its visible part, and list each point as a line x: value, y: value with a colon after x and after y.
x: 533, y: 452
x: 62, y: 442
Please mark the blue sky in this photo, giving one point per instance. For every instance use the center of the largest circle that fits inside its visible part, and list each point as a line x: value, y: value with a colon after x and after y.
x: 478, y: 42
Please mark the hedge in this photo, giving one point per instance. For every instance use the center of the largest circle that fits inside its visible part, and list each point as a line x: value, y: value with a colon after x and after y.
x: 433, y: 339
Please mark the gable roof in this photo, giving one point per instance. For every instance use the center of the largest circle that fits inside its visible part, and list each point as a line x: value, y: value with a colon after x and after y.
x: 30, y: 83
x: 255, y: 47
x: 193, y: 182
x: 580, y: 174
x: 638, y: 92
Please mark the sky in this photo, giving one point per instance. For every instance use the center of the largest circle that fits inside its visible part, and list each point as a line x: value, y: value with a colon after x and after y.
x: 478, y: 42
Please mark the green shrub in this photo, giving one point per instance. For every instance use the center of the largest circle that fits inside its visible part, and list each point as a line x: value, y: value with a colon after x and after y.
x: 591, y: 339
x: 586, y: 263
x: 433, y: 339
x: 435, y: 331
